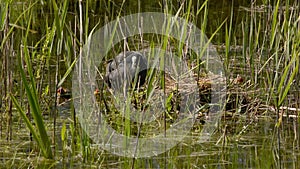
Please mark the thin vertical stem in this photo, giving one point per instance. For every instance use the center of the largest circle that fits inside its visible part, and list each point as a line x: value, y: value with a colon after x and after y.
x: 56, y: 101
x: 7, y: 78
x: 75, y: 53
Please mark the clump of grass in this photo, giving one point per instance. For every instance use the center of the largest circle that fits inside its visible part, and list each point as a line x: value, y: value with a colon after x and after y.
x: 39, y: 132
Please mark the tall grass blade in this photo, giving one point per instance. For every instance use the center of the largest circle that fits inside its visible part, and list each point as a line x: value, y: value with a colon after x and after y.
x: 274, y: 24
x: 30, y: 89
x: 41, y: 136
x: 3, y: 11
x: 69, y: 70
x: 27, y: 121
x: 283, y: 94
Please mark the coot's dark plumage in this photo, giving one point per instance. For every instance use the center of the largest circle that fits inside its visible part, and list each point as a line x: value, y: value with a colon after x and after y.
x: 126, y: 66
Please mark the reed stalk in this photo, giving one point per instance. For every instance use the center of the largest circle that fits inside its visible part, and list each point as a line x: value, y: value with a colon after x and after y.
x: 38, y: 129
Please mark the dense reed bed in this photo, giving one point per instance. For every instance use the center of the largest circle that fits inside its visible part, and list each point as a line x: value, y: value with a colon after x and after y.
x: 258, y: 43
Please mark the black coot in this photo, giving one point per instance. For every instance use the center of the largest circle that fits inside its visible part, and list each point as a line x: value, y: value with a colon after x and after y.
x: 127, y: 66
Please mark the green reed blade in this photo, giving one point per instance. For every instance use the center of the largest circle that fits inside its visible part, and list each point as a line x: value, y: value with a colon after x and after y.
x: 3, y: 12
x: 27, y: 121
x: 56, y: 19
x: 30, y: 89
x: 204, y: 4
x: 41, y: 137
x: 69, y: 70
x: 274, y: 24
x: 282, y: 95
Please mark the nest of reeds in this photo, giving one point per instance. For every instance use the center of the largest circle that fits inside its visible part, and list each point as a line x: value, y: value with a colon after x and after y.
x: 162, y: 97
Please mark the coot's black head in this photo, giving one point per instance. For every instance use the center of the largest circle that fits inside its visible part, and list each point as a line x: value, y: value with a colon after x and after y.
x: 129, y: 66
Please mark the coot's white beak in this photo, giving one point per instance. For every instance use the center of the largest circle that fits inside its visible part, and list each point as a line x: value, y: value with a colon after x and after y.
x: 133, y: 60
